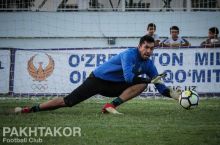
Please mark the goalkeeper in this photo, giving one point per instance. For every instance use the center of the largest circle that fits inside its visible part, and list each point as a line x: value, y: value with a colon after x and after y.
x: 117, y: 77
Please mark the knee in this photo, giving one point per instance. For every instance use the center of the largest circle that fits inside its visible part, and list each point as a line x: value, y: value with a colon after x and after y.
x: 67, y: 102
x: 142, y: 86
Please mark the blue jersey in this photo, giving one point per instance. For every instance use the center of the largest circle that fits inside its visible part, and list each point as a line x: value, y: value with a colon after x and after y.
x: 127, y: 65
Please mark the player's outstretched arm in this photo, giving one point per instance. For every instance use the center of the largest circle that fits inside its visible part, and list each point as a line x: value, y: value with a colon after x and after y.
x: 166, y: 91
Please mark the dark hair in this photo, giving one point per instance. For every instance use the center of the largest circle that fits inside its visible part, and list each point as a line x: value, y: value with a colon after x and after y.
x: 146, y: 38
x: 174, y: 28
x: 151, y: 25
x: 214, y: 30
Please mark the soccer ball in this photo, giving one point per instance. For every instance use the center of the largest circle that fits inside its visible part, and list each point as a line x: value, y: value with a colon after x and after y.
x: 189, y: 99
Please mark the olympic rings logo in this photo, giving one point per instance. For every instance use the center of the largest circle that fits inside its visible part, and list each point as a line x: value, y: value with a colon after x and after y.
x: 39, y: 87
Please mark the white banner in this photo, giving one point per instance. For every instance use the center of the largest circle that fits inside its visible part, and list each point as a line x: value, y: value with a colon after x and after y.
x: 196, y: 69
x: 56, y: 71
x: 61, y: 71
x: 4, y: 71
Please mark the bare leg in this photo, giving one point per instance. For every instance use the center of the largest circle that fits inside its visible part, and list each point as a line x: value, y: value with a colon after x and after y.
x: 132, y: 92
x: 49, y: 105
x: 126, y: 95
x: 52, y: 104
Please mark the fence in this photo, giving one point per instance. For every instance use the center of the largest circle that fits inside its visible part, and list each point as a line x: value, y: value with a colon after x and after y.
x: 109, y: 5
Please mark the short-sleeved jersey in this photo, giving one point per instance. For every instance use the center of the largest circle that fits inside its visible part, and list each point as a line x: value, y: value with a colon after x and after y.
x: 179, y: 40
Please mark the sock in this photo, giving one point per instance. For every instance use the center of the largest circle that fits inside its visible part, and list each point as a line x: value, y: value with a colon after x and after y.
x: 117, y: 101
x: 35, y: 108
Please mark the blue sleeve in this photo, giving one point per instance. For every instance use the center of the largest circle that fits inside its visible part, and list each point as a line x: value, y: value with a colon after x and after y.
x: 127, y: 61
x: 160, y: 87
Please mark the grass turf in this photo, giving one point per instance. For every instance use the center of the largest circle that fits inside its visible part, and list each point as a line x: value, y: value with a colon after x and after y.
x: 153, y: 122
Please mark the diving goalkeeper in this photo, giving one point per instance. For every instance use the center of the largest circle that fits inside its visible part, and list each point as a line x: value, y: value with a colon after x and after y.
x: 118, y: 77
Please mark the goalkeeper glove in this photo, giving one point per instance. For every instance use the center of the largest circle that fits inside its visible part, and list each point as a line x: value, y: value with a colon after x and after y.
x: 157, y: 79
x: 175, y: 94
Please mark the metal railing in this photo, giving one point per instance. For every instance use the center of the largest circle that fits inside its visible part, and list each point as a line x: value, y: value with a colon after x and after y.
x: 109, y: 5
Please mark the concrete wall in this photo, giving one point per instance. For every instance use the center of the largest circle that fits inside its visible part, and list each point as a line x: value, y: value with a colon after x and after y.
x: 91, y: 29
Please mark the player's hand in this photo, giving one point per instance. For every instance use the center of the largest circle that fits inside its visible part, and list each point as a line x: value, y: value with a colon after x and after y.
x: 175, y: 94
x: 157, y: 79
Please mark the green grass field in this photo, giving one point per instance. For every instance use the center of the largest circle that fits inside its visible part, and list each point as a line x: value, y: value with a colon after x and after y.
x: 149, y: 121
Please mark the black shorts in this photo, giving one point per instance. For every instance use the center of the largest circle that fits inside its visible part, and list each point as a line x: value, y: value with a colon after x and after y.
x: 93, y: 86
